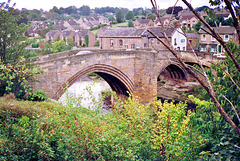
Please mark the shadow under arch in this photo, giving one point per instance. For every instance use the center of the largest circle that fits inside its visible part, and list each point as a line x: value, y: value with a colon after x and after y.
x: 117, y: 80
x: 174, y: 71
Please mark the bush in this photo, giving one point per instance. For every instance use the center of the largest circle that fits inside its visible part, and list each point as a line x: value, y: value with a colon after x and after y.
x: 14, y: 78
x: 38, y: 96
x: 132, y: 131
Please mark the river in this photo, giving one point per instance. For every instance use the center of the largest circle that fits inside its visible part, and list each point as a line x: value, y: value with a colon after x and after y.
x: 87, y: 93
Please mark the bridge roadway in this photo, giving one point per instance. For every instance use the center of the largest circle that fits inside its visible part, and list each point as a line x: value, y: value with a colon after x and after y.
x: 134, y: 72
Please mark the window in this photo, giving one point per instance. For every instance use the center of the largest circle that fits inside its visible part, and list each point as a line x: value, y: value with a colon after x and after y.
x: 132, y: 46
x: 111, y: 42
x: 120, y: 43
x: 190, y: 42
x: 213, y: 48
x: 145, y: 45
x: 182, y: 40
x: 213, y: 39
x: 126, y: 46
x: 203, y: 37
x: 193, y: 21
x: 175, y: 41
x: 226, y: 37
x: 202, y: 47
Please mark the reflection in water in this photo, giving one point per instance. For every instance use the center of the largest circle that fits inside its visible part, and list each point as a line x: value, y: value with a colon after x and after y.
x: 86, y: 93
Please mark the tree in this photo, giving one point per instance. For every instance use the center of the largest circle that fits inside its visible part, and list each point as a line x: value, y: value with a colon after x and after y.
x: 59, y: 46
x: 174, y: 10
x: 207, y: 85
x: 151, y: 16
x: 119, y: 16
x: 12, y: 38
x: 85, y: 10
x: 221, y: 85
x: 130, y: 23
x: 129, y: 15
x: 197, y: 26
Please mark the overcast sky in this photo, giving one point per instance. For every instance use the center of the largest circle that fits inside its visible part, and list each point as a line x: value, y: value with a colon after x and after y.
x: 130, y: 4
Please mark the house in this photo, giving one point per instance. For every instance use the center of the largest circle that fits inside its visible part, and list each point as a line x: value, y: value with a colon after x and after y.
x: 177, y: 39
x: 101, y: 31
x: 140, y: 38
x: 207, y: 43
x: 166, y: 20
x: 139, y: 23
x: 60, y: 27
x: 188, y: 20
x: 81, y: 38
x: 121, y: 38
x: 68, y: 34
x: 33, y: 32
x: 192, y: 39
x: 52, y: 35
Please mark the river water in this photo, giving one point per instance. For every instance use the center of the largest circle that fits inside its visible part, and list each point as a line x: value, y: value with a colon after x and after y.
x: 87, y: 93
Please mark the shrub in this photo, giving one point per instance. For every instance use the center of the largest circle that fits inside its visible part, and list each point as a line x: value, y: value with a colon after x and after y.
x: 14, y: 78
x: 38, y: 96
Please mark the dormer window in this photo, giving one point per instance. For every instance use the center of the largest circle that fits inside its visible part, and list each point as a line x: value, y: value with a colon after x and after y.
x: 213, y: 39
x: 226, y: 37
x: 203, y: 37
x: 111, y: 42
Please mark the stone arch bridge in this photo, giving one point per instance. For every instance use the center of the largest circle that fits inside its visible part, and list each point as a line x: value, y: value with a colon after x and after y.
x: 126, y: 72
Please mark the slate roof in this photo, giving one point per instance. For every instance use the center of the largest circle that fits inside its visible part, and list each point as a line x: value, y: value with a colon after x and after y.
x: 159, y: 32
x: 187, y: 16
x: 66, y: 33
x: 52, y: 32
x: 221, y: 30
x: 60, y: 27
x: 135, y: 32
x: 192, y: 35
x: 143, y: 21
x: 82, y: 33
x: 72, y: 22
x: 123, y: 32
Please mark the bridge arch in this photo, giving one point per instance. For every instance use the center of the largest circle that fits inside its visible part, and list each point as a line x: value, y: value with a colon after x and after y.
x: 117, y: 80
x: 174, y: 71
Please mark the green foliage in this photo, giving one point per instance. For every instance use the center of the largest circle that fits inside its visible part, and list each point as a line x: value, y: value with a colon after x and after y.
x: 38, y: 96
x: 12, y: 38
x: 35, y: 45
x: 61, y: 45
x: 129, y: 15
x: 223, y: 138
x: 132, y: 131
x: 14, y: 78
x: 97, y: 43
x: 86, y: 38
x: 119, y: 16
x: 130, y: 23
x: 197, y: 26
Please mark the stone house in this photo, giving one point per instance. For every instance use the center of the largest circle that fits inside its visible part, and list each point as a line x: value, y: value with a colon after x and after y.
x: 207, y: 43
x: 68, y: 34
x: 33, y: 32
x: 140, y: 38
x: 166, y: 20
x: 60, y: 27
x: 192, y: 39
x: 52, y: 35
x: 177, y: 39
x: 101, y: 31
x: 188, y: 20
x: 139, y: 23
x: 80, y: 38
